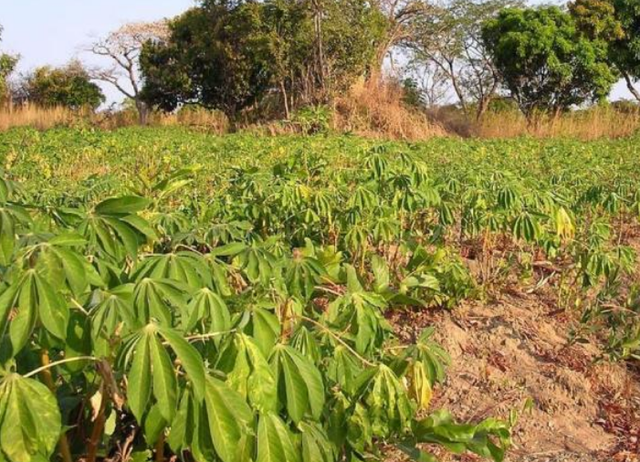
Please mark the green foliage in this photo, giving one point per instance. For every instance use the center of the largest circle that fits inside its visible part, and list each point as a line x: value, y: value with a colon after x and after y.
x: 546, y: 64
x: 228, y: 297
x: 68, y: 86
x: 617, y: 23
x: 7, y: 65
x: 230, y: 56
x: 202, y: 337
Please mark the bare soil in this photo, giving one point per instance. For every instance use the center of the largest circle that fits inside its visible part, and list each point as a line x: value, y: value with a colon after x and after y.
x: 515, y: 348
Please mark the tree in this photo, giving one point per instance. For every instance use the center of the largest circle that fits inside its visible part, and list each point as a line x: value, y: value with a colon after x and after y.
x: 122, y: 47
x: 616, y: 22
x: 230, y: 56
x: 212, y: 57
x: 449, y: 36
x: 545, y: 63
x: 69, y: 86
x: 7, y: 66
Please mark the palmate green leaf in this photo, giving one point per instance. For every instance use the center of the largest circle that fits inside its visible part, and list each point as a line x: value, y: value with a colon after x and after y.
x: 185, y: 424
x: 380, y: 270
x: 113, y: 309
x: 302, y: 276
x: 63, y: 267
x: 11, y: 218
x: 30, y: 422
x: 257, y: 263
x: 152, y: 372
x: 275, y: 443
x: 165, y: 386
x: 121, y: 205
x: 207, y: 306
x: 159, y: 300
x: 360, y: 313
x: 186, y: 267
x: 306, y: 343
x: 301, y: 381
x: 490, y: 438
x: 116, y: 234
x: 264, y: 327
x: 316, y: 446
x: 344, y: 367
x: 387, y: 403
x: 229, y: 417
x: 249, y: 373
x: 139, y: 379
x: 31, y: 299
x: 189, y: 358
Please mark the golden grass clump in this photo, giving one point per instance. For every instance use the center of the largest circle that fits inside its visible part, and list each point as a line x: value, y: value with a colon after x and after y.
x: 375, y: 108
x: 37, y: 117
x: 587, y: 124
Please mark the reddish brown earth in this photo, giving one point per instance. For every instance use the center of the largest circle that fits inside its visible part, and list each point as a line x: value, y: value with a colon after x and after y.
x: 515, y: 348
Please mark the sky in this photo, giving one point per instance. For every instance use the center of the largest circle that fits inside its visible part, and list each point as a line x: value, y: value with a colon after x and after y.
x: 55, y: 31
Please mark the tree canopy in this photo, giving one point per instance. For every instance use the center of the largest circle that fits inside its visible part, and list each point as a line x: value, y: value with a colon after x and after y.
x: 69, y: 86
x: 7, y: 65
x: 544, y: 61
x: 617, y: 23
x: 231, y: 56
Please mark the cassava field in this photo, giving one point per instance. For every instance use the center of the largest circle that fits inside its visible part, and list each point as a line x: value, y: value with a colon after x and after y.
x: 171, y: 295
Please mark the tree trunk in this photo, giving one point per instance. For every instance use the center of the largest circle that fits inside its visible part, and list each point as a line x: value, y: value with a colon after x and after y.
x: 633, y: 90
x: 483, y: 106
x: 283, y: 90
x: 458, y: 90
x: 319, y: 47
x: 143, y: 112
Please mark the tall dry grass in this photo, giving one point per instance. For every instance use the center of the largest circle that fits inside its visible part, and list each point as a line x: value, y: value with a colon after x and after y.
x: 45, y: 118
x: 376, y: 109
x: 37, y: 117
x: 368, y: 109
x: 589, y: 124
x: 195, y: 118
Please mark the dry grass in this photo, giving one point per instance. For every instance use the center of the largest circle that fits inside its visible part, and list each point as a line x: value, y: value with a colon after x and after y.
x: 45, y: 118
x: 40, y: 118
x: 370, y: 109
x: 195, y: 118
x: 375, y: 109
x: 594, y: 123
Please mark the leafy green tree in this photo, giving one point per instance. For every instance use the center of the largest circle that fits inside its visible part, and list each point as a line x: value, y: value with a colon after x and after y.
x: 231, y: 56
x: 617, y: 22
x: 546, y: 64
x: 7, y: 65
x: 214, y: 57
x: 69, y: 86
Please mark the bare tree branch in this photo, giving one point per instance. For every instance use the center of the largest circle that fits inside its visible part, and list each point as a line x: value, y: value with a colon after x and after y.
x: 123, y: 47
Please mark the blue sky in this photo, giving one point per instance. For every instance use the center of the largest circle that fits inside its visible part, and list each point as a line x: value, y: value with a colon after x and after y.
x: 54, y: 31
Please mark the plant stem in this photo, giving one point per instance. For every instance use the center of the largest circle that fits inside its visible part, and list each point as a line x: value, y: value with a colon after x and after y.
x: 337, y: 337
x: 98, y: 428
x: 57, y: 363
x: 47, y: 377
x: 160, y: 448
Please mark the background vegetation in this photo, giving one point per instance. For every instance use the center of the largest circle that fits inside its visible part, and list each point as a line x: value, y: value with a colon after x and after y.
x: 226, y: 298
x: 259, y: 63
